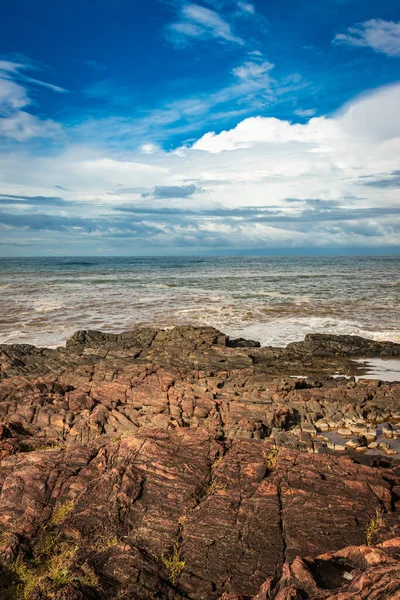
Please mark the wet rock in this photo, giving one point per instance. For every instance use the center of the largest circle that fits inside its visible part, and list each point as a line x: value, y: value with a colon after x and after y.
x: 387, y: 449
x: 318, y: 344
x: 370, y: 434
x: 242, y: 343
x: 387, y: 430
x: 345, y: 431
x: 340, y: 447
x: 309, y: 428
x: 322, y: 425
x: 355, y: 442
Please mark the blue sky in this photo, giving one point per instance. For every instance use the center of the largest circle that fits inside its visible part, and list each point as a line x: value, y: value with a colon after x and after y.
x: 167, y: 126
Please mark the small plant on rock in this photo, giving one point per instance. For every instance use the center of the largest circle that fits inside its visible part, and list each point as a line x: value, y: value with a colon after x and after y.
x: 271, y: 459
x: 61, y: 512
x: 106, y: 543
x: 90, y: 578
x: 373, y: 525
x: 22, y: 578
x: 173, y: 564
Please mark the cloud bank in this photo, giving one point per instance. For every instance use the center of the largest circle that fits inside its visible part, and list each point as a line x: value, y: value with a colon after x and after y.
x: 266, y: 183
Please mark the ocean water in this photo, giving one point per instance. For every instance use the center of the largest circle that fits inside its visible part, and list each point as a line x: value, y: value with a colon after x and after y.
x: 275, y: 300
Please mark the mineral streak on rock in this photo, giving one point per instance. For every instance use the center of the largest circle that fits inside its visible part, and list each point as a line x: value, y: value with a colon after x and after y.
x: 179, y: 464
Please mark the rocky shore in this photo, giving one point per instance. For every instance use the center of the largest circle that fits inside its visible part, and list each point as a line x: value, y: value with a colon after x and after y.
x: 178, y: 464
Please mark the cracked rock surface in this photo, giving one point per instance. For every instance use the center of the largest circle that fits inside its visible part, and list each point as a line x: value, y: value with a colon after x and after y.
x: 178, y: 464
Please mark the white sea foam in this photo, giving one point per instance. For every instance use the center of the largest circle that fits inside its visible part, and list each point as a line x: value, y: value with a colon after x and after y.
x: 44, y: 306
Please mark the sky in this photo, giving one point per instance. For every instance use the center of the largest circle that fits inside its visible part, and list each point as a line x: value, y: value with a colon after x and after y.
x: 206, y: 127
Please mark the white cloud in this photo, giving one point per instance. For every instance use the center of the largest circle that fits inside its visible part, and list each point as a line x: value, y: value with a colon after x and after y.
x: 50, y: 86
x: 259, y: 130
x: 149, y: 148
x: 252, y: 88
x: 372, y: 116
x: 15, y: 123
x: 200, y: 22
x: 14, y: 70
x: 251, y: 69
x: 246, y: 7
x: 22, y: 126
x: 261, y: 162
x: 305, y: 112
x: 9, y: 66
x: 382, y: 36
x: 12, y: 95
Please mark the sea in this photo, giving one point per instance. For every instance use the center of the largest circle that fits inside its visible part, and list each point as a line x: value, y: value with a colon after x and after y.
x: 274, y: 300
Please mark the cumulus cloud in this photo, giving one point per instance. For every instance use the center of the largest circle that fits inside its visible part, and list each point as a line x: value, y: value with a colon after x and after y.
x: 197, y: 21
x: 382, y: 36
x: 360, y: 119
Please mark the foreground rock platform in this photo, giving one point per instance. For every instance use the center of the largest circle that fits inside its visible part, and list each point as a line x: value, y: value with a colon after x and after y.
x: 181, y: 464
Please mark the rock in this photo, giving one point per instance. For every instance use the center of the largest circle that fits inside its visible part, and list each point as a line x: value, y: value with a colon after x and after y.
x: 358, y: 428
x: 180, y: 464
x: 322, y: 425
x: 370, y: 434
x: 309, y: 428
x: 318, y: 344
x: 345, y: 431
x: 340, y: 447
x: 353, y: 573
x: 305, y: 437
x: 222, y: 503
x: 387, y: 430
x: 242, y: 343
x: 387, y: 449
x: 355, y: 442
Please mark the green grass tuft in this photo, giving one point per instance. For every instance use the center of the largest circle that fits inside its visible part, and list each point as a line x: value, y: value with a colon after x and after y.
x: 173, y: 564
x: 61, y: 512
x: 373, y: 525
x: 271, y: 459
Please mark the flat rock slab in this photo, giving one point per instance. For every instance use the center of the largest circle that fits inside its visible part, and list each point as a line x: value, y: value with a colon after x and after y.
x: 233, y: 520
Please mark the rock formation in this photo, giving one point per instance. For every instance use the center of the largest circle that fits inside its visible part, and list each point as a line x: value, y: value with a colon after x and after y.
x: 178, y: 464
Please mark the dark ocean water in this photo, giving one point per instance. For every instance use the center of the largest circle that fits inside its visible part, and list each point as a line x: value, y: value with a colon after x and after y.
x: 275, y: 300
